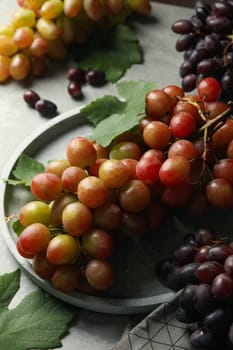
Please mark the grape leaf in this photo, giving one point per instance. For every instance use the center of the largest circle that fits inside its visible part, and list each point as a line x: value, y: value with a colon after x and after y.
x: 37, y: 322
x: 122, y: 116
x: 24, y: 170
x: 112, y: 51
x: 9, y: 284
x: 17, y: 227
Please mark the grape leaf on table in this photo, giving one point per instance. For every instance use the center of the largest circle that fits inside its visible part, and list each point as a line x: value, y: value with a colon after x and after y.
x: 24, y: 170
x: 37, y: 322
x: 112, y: 51
x: 9, y: 284
x: 113, y: 116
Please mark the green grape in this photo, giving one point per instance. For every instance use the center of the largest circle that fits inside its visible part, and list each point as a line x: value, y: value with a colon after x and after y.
x: 51, y: 9
x: 35, y: 211
x: 47, y: 29
x: 7, y: 30
x: 7, y: 45
x: 23, y: 17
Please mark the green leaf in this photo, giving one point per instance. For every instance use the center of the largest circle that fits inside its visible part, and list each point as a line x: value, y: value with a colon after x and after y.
x: 38, y: 322
x: 25, y: 169
x: 17, y: 227
x: 9, y: 284
x: 112, y: 51
x: 122, y: 116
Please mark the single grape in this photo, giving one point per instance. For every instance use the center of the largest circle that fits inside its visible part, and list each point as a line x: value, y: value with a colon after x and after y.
x: 99, y: 274
x: 31, y: 97
x: 95, y: 77
x: 46, y: 108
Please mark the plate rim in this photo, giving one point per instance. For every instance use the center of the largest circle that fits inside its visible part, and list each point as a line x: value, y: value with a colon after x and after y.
x: 124, y: 306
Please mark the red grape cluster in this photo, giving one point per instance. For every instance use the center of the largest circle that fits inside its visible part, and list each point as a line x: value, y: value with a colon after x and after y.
x: 206, y: 41
x: 203, y: 267
x: 46, y: 28
x: 180, y: 156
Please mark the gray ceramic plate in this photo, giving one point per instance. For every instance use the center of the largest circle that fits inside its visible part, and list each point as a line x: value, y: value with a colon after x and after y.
x: 136, y: 289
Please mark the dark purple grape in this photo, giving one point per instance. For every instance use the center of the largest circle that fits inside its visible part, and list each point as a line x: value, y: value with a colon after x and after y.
x: 209, y: 67
x: 46, y: 108
x: 185, y: 42
x: 202, y: 10
x: 186, y: 298
x: 201, y: 338
x: 184, y: 254
x: 204, y: 299
x: 187, y: 274
x: 198, y: 55
x: 182, y: 26
x: 31, y: 97
x: 219, y: 252
x: 227, y: 81
x: 76, y: 74
x: 189, y: 82
x: 222, y: 287
x: 96, y: 77
x: 201, y: 255
x: 186, y: 68
x: 220, y: 25
x: 223, y: 9
x: 174, y: 281
x: 219, y: 319
x: 204, y: 236
x: 187, y: 54
x: 212, y: 43
x: 228, y: 265
x: 207, y: 271
x: 74, y: 89
x: 185, y: 316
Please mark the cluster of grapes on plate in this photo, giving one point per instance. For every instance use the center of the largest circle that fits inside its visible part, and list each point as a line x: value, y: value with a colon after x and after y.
x: 42, y: 29
x: 206, y: 40
x: 203, y: 268
x: 87, y: 203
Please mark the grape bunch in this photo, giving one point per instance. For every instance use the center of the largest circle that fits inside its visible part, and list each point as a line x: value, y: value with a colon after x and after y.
x: 206, y: 42
x: 203, y: 267
x: 42, y: 29
x: 179, y: 157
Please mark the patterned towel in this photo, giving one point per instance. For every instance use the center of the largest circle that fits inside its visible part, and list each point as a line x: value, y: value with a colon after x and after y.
x: 158, y: 331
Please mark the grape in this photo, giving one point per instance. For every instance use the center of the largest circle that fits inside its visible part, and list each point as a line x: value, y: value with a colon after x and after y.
x: 184, y: 254
x: 58, y: 205
x: 19, y: 66
x: 23, y: 17
x: 156, y: 135
x: 189, y: 82
x: 210, y: 89
x: 218, y: 320
x: 35, y: 211
x: 182, y: 124
x: 74, y: 89
x: 202, y: 338
x: 182, y: 26
x: 207, y: 271
x: 185, y: 316
x: 222, y: 287
x: 66, y: 278
x: 122, y: 150
x: 183, y: 148
x: 220, y: 193
x: 72, y: 7
x: 71, y: 177
x: 205, y: 301
x: 46, y: 108
x: 35, y: 238
x: 76, y: 218
x: 62, y: 249
x: 113, y: 173
x: 158, y: 103
x: 108, y: 216
x: 4, y: 68
x: 23, y: 37
x: 51, y: 9
x: 92, y: 192
x: 134, y: 196
x: 174, y: 171
x: 46, y: 186
x: 42, y: 266
x: 81, y: 152
x: 98, y: 243
x: 31, y: 97
x: 76, y: 74
x: 99, y: 273
x: 95, y: 77
x: 147, y: 169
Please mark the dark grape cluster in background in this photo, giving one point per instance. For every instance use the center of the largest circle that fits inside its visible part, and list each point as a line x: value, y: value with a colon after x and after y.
x: 203, y: 268
x: 206, y: 42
